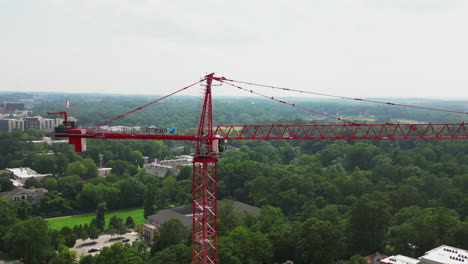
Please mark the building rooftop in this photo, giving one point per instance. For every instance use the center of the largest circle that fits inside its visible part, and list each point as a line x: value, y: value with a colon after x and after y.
x: 375, y: 258
x: 25, y: 172
x: 400, y: 259
x: 20, y: 190
x: 446, y: 254
x: 17, y: 183
x: 184, y: 213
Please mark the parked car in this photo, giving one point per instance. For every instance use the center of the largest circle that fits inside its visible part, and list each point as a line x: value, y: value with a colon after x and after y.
x: 125, y: 240
x: 91, y: 250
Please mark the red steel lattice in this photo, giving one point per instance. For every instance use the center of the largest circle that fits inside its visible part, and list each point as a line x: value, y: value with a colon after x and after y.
x: 344, y: 131
x: 205, y: 175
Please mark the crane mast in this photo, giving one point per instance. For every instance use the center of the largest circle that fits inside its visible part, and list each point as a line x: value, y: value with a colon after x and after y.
x: 205, y: 186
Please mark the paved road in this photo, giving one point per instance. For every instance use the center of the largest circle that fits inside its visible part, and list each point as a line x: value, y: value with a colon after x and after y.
x: 102, y: 241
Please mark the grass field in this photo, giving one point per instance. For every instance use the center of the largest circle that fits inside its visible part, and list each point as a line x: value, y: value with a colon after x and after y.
x: 71, y: 221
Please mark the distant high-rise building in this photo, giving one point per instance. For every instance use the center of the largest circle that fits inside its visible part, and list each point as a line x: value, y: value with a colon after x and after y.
x: 11, y: 107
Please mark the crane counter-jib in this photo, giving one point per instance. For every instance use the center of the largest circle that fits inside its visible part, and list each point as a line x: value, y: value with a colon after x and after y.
x: 77, y: 137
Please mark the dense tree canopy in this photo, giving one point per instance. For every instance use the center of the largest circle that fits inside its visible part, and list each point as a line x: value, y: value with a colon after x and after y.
x: 322, y: 201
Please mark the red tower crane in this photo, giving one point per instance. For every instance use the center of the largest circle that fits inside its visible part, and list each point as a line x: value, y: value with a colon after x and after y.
x: 208, y: 137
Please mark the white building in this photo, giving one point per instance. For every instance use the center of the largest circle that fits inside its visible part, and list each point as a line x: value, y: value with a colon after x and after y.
x: 23, y: 174
x: 161, y: 168
x: 399, y: 259
x: 445, y: 255
x: 49, y: 141
x: 104, y: 172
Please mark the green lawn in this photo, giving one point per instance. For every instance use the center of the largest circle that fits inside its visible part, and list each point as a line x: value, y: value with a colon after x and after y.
x: 59, y: 223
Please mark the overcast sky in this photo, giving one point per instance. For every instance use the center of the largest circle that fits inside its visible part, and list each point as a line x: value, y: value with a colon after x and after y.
x: 359, y: 48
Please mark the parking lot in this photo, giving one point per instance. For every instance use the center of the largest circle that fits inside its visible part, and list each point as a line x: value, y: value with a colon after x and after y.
x: 101, y: 242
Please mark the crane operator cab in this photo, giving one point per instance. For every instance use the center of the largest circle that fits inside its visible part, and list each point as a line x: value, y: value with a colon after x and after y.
x: 65, y: 127
x: 219, y: 145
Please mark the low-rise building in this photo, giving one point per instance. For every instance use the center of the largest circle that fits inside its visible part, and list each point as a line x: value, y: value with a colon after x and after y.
x: 32, y: 196
x: 23, y: 174
x: 445, y: 255
x: 184, y: 214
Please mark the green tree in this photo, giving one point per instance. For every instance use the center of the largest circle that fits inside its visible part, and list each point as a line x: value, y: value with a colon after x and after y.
x: 458, y: 238
x: 7, y: 218
x: 32, y: 183
x: 68, y: 186
x: 69, y: 236
x: 228, y: 219
x: 357, y: 259
x: 44, y: 163
x: 175, y: 254
x: 278, y: 230
x: 100, y: 216
x: 56, y: 239
x: 137, y: 158
x: 368, y: 225
x: 93, y: 231
x: 77, y: 230
x: 119, y: 253
x: 419, y: 230
x: 64, y: 256
x: 84, y: 234
x: 319, y: 242
x: 170, y: 233
x: 131, y: 192
x: 242, y: 245
x: 360, y: 155
x: 52, y: 204
x: 49, y: 183
x: 168, y: 192
x: 91, y: 169
x: 88, y: 259
x: 185, y: 173
x: 141, y: 248
x: 6, y: 185
x: 91, y: 195
x: 149, y: 203
x: 23, y: 209
x: 77, y: 168
x: 116, y: 223
x: 28, y: 240
x: 129, y: 223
